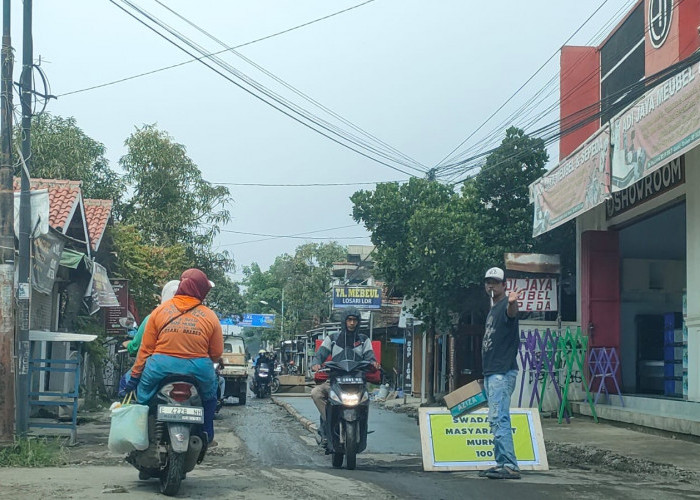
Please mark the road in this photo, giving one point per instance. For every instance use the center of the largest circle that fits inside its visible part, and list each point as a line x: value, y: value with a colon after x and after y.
x: 265, y: 453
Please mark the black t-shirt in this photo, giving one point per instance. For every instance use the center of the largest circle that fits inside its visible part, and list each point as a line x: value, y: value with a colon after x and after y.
x: 501, y: 340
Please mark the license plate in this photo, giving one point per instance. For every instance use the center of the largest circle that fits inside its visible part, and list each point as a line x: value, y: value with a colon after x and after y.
x: 351, y: 380
x: 189, y: 414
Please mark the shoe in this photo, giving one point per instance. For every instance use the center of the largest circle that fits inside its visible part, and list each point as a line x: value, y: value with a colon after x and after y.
x: 213, y: 444
x: 484, y: 473
x: 503, y: 473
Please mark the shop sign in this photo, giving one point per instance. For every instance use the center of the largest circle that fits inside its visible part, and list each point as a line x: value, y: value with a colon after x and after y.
x: 659, y: 181
x: 660, y: 126
x: 466, y: 443
x: 362, y: 297
x: 579, y: 183
x: 113, y: 315
x: 536, y: 294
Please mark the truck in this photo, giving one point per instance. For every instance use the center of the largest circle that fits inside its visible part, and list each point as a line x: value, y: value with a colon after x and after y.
x: 235, y: 370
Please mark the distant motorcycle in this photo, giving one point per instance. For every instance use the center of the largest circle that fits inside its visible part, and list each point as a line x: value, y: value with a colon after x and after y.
x: 347, y: 411
x: 177, y: 441
x: 262, y: 379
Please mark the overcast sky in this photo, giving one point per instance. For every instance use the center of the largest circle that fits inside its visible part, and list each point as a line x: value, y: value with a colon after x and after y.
x: 419, y: 75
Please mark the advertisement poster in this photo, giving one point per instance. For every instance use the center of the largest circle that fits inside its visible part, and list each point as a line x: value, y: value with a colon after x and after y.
x: 466, y: 443
x: 659, y: 127
x: 362, y: 297
x: 579, y: 183
x: 536, y: 294
x: 113, y: 315
x: 101, y: 289
x: 47, y: 257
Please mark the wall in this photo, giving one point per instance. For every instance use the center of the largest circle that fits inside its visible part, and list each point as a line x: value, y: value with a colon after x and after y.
x: 693, y: 271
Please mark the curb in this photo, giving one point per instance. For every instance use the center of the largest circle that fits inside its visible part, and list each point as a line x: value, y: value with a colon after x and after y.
x: 308, y: 424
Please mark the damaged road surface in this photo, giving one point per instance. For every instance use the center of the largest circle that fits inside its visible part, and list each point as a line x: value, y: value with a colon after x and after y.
x: 265, y: 452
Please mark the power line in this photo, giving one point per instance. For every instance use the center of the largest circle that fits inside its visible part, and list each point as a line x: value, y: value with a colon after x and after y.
x: 295, y: 235
x: 312, y: 184
x: 216, y: 53
x: 290, y: 111
x: 524, y: 84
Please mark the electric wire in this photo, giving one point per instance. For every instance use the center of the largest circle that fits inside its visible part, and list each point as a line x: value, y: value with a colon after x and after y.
x: 216, y: 53
x: 290, y: 111
x: 294, y: 89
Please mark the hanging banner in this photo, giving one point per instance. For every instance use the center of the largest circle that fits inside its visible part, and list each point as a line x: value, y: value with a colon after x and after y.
x: 45, y: 262
x: 659, y: 127
x: 101, y: 289
x: 466, y: 443
x: 362, y: 297
x: 577, y: 184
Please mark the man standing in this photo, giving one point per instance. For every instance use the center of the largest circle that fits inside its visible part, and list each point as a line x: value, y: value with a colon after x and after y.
x: 499, y: 352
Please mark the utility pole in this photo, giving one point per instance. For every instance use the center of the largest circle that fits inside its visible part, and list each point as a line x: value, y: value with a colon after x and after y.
x: 7, y: 238
x: 25, y: 225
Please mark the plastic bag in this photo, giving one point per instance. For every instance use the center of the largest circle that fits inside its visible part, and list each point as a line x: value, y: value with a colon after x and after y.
x: 128, y: 430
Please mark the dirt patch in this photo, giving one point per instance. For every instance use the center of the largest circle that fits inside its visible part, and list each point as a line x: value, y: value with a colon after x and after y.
x: 577, y: 457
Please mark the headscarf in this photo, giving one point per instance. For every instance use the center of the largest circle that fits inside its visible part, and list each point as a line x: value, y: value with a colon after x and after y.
x: 194, y: 283
x: 169, y: 290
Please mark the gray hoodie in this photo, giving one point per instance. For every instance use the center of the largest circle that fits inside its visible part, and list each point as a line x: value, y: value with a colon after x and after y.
x: 336, y: 343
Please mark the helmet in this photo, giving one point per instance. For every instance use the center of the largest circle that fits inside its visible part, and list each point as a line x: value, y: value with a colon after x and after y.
x: 262, y: 351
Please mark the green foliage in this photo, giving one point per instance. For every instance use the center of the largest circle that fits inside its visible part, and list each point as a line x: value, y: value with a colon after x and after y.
x: 33, y: 452
x: 147, y: 267
x: 171, y: 204
x: 305, y: 278
x: 434, y: 244
x: 61, y: 150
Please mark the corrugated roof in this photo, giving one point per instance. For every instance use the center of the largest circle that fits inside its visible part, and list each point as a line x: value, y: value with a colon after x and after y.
x: 64, y: 196
x: 97, y: 213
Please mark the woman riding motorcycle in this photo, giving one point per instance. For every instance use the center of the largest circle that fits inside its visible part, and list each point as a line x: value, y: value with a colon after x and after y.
x: 184, y: 337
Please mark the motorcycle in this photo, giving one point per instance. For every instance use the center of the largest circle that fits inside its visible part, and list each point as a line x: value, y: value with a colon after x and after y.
x: 177, y: 441
x: 347, y: 411
x: 262, y: 379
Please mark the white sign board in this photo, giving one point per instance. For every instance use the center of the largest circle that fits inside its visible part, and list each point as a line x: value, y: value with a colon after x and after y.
x: 536, y: 294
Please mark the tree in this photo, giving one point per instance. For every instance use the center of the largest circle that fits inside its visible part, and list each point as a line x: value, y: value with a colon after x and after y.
x: 499, y: 195
x: 171, y: 202
x: 147, y: 267
x: 61, y: 150
x: 304, y: 278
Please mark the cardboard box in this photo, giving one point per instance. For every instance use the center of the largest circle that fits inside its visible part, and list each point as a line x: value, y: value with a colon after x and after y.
x: 467, y: 398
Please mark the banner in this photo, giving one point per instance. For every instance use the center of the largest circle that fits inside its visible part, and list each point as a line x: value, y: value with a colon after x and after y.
x: 258, y: 320
x: 362, y: 297
x: 101, y: 289
x: 466, y: 442
x: 45, y: 262
x: 659, y: 127
x: 113, y: 315
x: 577, y: 184
x: 536, y: 294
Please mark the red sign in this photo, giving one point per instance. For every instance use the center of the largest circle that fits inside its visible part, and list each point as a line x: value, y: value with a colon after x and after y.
x: 114, y: 314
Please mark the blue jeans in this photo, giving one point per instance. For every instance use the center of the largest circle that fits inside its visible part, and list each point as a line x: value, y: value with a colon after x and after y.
x: 499, y: 389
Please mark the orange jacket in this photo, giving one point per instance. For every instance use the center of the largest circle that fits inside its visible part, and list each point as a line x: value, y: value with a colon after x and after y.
x: 194, y: 334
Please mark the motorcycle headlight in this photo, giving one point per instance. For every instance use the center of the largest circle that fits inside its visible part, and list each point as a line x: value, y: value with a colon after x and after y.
x: 335, y: 397
x: 350, y: 398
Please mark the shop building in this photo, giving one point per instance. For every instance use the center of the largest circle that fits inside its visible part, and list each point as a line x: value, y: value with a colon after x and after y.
x: 629, y: 175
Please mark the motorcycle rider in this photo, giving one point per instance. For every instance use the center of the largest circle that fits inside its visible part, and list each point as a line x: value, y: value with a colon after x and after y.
x: 184, y: 337
x: 335, y: 345
x: 262, y: 357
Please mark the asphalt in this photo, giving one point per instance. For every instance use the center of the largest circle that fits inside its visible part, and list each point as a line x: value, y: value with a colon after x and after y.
x: 582, y: 439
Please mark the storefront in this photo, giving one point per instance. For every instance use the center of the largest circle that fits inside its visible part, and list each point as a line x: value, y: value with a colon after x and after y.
x: 632, y: 185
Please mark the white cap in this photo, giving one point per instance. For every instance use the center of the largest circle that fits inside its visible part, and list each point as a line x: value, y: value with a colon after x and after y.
x: 495, y: 273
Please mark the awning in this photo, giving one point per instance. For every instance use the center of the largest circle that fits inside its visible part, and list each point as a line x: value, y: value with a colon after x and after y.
x: 71, y: 258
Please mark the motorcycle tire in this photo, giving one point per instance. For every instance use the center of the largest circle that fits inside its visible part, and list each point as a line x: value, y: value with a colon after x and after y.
x: 338, y: 460
x: 172, y: 476
x: 275, y: 386
x: 351, y: 430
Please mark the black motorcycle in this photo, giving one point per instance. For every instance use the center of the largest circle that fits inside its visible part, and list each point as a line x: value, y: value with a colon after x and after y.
x: 177, y: 441
x: 262, y: 379
x: 347, y: 411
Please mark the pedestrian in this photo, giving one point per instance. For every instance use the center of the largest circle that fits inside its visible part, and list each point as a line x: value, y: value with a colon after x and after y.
x: 499, y: 351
